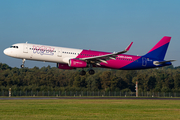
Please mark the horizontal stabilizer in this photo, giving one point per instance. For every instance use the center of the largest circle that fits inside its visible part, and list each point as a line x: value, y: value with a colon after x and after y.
x: 162, y: 62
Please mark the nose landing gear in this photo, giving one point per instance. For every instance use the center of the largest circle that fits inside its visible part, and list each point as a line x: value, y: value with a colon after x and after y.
x: 23, y: 61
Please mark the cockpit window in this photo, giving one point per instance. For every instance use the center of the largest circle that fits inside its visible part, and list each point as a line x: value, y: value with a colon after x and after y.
x: 13, y: 46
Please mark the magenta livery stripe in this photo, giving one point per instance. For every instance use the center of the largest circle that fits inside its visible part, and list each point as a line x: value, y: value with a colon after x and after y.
x: 121, y: 61
x: 162, y: 42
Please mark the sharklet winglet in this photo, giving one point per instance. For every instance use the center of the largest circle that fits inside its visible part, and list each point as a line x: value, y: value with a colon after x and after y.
x: 129, y: 46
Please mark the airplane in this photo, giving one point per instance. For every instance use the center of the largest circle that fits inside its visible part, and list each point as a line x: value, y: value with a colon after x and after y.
x: 69, y: 58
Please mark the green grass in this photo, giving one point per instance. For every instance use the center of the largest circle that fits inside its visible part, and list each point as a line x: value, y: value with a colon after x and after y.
x: 89, y: 109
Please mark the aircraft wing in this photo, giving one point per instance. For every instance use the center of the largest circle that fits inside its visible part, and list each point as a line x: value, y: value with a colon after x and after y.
x: 103, y: 58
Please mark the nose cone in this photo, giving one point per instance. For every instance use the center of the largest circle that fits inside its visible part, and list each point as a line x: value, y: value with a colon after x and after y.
x: 6, y: 51
x: 10, y: 52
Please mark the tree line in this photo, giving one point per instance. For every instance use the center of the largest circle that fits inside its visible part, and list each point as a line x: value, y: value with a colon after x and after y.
x: 165, y: 79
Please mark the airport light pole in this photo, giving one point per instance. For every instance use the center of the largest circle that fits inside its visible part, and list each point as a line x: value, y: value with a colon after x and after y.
x: 136, y: 88
x: 9, y: 92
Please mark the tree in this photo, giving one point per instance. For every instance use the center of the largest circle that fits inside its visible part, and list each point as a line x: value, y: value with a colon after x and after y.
x: 105, y: 79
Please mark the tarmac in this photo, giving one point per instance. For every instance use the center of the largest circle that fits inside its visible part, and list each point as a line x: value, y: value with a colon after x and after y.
x: 45, y: 98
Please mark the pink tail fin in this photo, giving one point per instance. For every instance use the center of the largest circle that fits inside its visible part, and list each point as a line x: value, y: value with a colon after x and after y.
x: 159, y: 50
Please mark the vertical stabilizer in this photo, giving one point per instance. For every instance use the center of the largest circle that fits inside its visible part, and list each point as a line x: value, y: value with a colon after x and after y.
x: 159, y: 50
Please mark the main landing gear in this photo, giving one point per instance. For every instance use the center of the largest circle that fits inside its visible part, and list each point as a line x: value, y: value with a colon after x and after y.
x: 23, y: 61
x: 83, y: 72
x: 91, y: 71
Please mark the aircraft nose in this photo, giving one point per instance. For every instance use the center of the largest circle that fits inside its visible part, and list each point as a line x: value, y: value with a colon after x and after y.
x: 5, y: 51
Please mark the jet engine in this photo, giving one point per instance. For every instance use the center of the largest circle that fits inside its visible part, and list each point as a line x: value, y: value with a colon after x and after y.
x: 64, y: 66
x: 77, y: 63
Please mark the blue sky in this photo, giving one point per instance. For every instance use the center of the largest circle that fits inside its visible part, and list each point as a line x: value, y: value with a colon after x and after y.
x: 104, y: 25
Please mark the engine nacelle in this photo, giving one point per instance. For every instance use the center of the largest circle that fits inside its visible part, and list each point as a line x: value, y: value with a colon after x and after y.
x: 77, y: 63
x: 64, y: 66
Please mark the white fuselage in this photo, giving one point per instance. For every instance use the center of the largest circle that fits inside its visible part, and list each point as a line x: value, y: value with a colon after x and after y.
x: 42, y: 52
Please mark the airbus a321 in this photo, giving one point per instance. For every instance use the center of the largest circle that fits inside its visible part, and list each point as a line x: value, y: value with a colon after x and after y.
x: 69, y: 58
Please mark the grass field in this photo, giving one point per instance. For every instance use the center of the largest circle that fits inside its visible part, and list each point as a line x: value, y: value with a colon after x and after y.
x: 89, y: 109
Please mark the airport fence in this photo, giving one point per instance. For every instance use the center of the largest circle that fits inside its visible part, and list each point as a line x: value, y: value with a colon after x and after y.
x: 88, y: 93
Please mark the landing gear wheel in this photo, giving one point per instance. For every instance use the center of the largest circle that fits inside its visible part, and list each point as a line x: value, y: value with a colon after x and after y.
x: 23, y: 61
x: 91, y: 72
x: 82, y: 72
x: 22, y: 66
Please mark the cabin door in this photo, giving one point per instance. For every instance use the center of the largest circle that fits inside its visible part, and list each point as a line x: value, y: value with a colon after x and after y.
x: 25, y: 48
x: 59, y: 52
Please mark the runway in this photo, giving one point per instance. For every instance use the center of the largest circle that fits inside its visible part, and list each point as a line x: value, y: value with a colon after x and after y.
x: 41, y: 98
